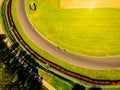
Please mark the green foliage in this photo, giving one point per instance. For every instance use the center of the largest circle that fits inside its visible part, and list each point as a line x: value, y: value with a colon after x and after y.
x: 32, y: 7
x: 12, y: 74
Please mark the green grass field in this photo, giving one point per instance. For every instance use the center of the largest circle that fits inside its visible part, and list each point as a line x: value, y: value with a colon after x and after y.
x: 94, y: 32
x: 96, y: 74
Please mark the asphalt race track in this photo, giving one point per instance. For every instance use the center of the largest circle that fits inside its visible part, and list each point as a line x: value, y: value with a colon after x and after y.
x: 46, y: 45
x: 59, y: 68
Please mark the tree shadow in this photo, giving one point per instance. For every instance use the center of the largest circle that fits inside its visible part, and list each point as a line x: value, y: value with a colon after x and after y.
x: 95, y: 88
x: 78, y: 87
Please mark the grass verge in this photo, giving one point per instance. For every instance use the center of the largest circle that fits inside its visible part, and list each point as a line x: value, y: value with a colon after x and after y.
x: 55, y: 81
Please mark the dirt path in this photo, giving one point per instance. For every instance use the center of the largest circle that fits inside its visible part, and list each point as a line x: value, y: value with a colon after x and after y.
x: 0, y: 2
x: 48, y: 86
x: 1, y: 31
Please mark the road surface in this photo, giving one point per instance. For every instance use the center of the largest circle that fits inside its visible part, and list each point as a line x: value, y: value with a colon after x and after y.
x: 69, y: 57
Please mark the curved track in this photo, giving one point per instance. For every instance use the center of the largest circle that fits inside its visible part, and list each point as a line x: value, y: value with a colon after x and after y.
x: 46, y: 45
x: 59, y: 68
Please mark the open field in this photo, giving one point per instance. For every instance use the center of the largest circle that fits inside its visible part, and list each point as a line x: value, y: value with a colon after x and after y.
x: 93, y: 32
x: 98, y: 74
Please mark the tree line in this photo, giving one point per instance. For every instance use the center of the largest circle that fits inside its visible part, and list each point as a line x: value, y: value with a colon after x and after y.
x: 14, y: 76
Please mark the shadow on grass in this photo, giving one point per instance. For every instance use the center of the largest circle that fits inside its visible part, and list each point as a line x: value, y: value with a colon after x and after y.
x: 78, y: 87
x: 95, y: 88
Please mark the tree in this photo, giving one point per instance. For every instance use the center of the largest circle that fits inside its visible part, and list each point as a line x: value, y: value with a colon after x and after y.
x: 22, y: 53
x: 33, y: 6
x: 15, y: 45
x: 2, y: 36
